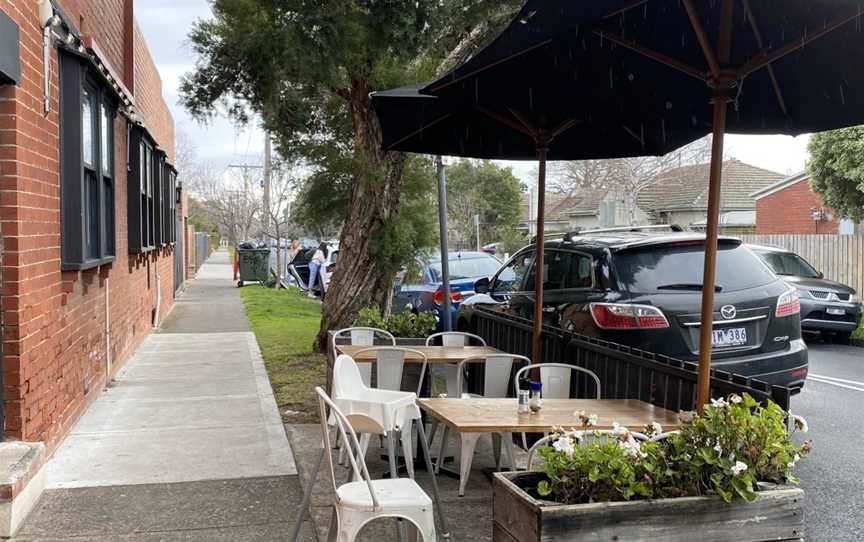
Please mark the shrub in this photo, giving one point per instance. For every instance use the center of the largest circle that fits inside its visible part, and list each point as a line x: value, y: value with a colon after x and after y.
x: 406, y: 324
x: 726, y: 451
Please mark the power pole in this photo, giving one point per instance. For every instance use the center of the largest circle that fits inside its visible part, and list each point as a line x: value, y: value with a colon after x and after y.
x: 267, y: 179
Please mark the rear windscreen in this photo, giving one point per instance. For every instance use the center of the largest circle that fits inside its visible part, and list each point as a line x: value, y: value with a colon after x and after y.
x: 672, y: 268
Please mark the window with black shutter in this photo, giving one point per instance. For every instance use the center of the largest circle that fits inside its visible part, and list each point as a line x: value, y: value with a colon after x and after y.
x: 150, y: 205
x: 87, y: 115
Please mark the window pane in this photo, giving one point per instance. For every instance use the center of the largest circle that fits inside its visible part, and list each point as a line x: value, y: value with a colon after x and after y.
x: 142, y: 167
x: 91, y: 191
x: 510, y: 278
x: 87, y: 127
x: 108, y: 193
x: 107, y: 137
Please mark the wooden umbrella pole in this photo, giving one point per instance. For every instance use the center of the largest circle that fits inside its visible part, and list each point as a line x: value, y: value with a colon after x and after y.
x: 537, y: 350
x: 709, y: 280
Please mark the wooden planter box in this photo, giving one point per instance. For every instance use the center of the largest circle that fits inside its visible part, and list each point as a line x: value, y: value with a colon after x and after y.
x: 518, y: 517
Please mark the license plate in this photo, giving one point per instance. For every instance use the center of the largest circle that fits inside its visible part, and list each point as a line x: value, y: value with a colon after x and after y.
x: 836, y: 312
x: 735, y: 336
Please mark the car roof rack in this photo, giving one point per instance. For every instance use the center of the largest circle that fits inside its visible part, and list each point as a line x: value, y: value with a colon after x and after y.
x: 569, y: 236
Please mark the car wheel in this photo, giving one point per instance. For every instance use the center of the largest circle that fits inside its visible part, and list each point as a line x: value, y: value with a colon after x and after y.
x: 239, y: 283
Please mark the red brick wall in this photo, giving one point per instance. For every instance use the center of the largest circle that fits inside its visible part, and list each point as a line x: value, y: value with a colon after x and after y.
x: 56, y: 350
x: 788, y: 212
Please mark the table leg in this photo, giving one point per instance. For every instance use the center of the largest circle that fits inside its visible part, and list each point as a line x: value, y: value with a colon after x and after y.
x: 469, y: 443
x: 307, y: 497
x: 435, y: 495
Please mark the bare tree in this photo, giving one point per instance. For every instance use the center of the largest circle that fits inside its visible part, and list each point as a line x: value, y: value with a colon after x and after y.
x: 277, y: 214
x: 626, y: 177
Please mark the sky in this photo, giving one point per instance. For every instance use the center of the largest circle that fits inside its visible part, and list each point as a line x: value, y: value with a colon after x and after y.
x: 166, y: 24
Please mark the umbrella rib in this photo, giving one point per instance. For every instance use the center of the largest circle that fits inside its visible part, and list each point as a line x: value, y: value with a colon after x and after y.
x: 419, y: 130
x: 628, y: 7
x: 760, y: 43
x: 764, y: 59
x: 725, y: 43
x: 507, y: 122
x: 490, y: 65
x: 703, y: 38
x: 654, y: 55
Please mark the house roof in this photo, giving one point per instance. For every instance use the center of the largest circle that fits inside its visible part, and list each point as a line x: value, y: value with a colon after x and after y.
x: 780, y: 185
x: 686, y: 188
x: 556, y: 205
x: 586, y: 202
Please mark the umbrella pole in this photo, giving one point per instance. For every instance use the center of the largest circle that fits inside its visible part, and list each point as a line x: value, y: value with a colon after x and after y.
x: 445, y: 251
x: 537, y: 350
x: 709, y: 280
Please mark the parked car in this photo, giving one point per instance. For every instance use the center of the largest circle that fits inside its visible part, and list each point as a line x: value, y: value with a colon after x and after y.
x: 299, y: 269
x: 643, y: 290
x: 428, y: 294
x: 827, y: 307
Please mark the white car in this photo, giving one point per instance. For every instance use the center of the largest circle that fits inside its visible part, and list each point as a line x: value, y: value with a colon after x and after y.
x: 299, y: 268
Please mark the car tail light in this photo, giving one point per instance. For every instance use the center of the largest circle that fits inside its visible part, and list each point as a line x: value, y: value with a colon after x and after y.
x: 455, y: 297
x: 625, y: 316
x: 788, y: 304
x: 799, y: 372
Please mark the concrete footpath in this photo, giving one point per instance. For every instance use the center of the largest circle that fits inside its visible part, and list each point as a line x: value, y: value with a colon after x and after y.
x: 186, y: 444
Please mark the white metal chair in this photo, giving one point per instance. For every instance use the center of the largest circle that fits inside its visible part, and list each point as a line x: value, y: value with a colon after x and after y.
x: 555, y: 378
x: 359, y: 502
x: 496, y: 378
x: 362, y: 336
x: 390, y: 367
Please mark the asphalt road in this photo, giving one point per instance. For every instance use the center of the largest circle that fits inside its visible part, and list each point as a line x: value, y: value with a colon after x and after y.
x: 833, y: 476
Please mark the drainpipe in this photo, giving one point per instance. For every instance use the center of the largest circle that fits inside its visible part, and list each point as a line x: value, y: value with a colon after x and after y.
x: 46, y: 15
x: 107, y: 331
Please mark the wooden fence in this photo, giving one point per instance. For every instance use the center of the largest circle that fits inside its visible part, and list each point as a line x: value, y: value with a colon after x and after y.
x: 840, y: 257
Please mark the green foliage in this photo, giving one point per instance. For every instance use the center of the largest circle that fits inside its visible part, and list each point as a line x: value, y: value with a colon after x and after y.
x: 406, y: 324
x: 512, y: 240
x: 485, y: 188
x: 858, y: 334
x: 725, y: 451
x: 836, y: 169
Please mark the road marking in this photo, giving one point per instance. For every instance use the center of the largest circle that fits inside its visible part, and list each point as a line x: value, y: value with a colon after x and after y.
x: 835, y: 379
x: 832, y: 383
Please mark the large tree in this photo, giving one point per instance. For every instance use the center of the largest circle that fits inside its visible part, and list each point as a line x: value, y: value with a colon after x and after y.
x: 481, y: 188
x: 307, y: 68
x: 836, y: 169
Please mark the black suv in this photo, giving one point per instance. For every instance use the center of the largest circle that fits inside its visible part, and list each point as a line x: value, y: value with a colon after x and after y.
x: 643, y: 290
x: 826, y: 306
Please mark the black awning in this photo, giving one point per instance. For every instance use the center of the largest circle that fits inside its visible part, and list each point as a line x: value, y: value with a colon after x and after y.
x: 10, y: 63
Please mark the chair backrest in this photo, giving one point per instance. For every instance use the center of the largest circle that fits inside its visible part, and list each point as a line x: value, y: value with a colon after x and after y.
x: 347, y: 379
x: 496, y: 373
x: 455, y: 338
x: 582, y: 438
x: 362, y: 336
x: 391, y: 365
x: 556, y: 379
x: 349, y: 439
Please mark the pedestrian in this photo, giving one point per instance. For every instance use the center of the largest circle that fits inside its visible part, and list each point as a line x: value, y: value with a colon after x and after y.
x: 291, y: 254
x: 318, y: 260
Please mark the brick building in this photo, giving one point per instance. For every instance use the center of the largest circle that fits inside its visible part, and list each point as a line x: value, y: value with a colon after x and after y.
x: 91, y: 213
x: 790, y: 206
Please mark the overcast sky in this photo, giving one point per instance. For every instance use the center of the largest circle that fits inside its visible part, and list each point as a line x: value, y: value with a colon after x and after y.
x: 166, y: 24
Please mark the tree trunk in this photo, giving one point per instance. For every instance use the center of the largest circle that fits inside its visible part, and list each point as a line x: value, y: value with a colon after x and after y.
x: 360, y: 280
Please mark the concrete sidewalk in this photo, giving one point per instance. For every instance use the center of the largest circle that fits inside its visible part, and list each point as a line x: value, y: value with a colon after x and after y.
x: 187, y: 444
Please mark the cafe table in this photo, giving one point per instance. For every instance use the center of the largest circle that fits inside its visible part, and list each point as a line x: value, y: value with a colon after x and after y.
x: 434, y: 354
x: 473, y: 417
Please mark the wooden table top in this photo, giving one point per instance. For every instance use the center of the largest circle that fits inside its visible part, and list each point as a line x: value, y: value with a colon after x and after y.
x: 434, y: 354
x: 500, y: 415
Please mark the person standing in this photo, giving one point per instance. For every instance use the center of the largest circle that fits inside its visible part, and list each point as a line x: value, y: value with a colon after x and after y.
x: 315, y: 264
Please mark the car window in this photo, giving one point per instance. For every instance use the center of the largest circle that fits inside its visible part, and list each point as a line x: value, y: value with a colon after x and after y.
x: 510, y: 279
x: 465, y: 268
x: 680, y: 265
x: 786, y: 263
x: 562, y: 270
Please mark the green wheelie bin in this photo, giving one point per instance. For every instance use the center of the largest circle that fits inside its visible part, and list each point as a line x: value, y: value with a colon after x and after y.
x: 254, y: 265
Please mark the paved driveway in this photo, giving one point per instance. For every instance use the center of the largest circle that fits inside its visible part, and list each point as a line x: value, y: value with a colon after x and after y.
x: 833, y: 475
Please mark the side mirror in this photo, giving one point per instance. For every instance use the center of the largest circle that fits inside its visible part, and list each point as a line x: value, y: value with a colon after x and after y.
x: 481, y: 286
x: 821, y: 275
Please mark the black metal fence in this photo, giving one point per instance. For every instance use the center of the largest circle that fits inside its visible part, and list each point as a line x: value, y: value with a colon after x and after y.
x: 625, y: 373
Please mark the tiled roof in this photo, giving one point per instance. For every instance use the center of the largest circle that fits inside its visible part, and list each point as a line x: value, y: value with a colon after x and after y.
x: 556, y: 206
x: 687, y: 187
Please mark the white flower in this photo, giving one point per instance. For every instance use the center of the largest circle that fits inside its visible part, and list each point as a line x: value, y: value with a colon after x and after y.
x: 719, y: 403
x: 618, y: 429
x: 795, y: 460
x: 656, y: 429
x: 631, y: 447
x: 735, y: 398
x: 718, y: 449
x: 579, y: 413
x: 564, y: 445
x: 738, y: 468
x: 800, y: 424
x: 592, y: 420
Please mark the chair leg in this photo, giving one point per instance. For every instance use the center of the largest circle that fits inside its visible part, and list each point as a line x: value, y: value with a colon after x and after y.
x: 442, y: 449
x: 469, y: 443
x: 408, y: 448
x: 424, y: 443
x: 307, y: 497
x: 394, y: 474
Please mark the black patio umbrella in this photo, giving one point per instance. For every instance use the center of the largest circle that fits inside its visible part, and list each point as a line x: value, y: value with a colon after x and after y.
x: 615, y: 78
